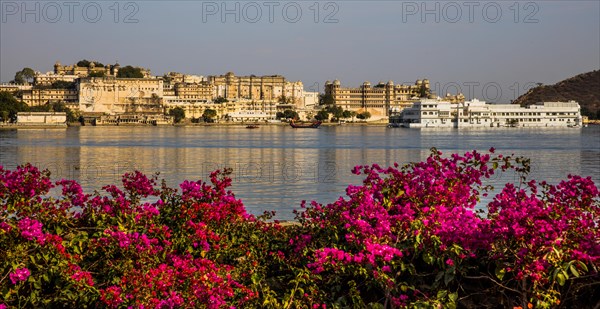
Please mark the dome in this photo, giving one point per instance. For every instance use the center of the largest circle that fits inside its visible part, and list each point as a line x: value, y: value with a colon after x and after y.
x: 390, y: 82
x: 327, y: 83
x: 336, y: 82
x: 57, y: 64
x: 419, y: 82
x: 92, y: 64
x: 367, y: 83
x: 117, y: 65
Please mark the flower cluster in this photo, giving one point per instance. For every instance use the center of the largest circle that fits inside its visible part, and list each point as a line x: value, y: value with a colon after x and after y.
x: 408, y: 236
x: 20, y: 274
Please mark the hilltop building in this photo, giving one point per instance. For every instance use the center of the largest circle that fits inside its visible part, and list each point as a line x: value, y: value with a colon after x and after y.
x: 107, y: 70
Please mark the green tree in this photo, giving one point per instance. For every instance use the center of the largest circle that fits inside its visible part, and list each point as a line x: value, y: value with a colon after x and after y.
x: 130, y: 72
x: 61, y: 84
x: 18, y: 78
x: 10, y: 106
x: 423, y: 92
x: 221, y: 100
x: 4, y: 116
x: 26, y: 75
x: 83, y: 63
x: 209, y: 115
x: 86, y: 63
x: 322, y: 115
x: 287, y: 114
x: 363, y: 115
x: 336, y: 111
x: 346, y: 114
x: 177, y: 113
x: 325, y: 99
x: 97, y: 74
x: 286, y: 100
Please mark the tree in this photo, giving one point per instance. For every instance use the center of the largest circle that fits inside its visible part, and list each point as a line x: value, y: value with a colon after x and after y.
x: 336, y: 111
x: 286, y: 100
x: 423, y: 92
x: 287, y: 114
x: 325, y: 99
x: 59, y: 107
x: 24, y: 76
x: 86, y: 63
x: 61, y: 84
x: 221, y: 100
x: 209, y: 114
x: 322, y: 115
x: 177, y: 113
x: 83, y: 63
x: 4, y: 116
x: 364, y: 115
x: 347, y: 114
x: 97, y: 74
x: 10, y: 106
x: 130, y: 72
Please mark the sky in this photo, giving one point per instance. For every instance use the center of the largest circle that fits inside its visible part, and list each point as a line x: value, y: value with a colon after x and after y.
x: 490, y: 50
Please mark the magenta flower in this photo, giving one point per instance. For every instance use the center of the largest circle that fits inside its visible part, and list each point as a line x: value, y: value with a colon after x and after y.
x: 20, y: 274
x: 31, y: 229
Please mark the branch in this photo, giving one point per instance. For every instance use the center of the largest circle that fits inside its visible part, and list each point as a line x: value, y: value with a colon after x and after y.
x: 496, y: 282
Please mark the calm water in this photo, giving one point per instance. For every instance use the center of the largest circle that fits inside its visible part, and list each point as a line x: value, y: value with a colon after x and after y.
x: 275, y: 168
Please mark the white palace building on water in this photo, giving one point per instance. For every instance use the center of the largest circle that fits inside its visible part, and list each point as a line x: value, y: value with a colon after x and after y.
x: 435, y: 113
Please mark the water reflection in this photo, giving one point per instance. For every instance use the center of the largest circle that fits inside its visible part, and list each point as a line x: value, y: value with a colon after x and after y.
x: 274, y: 168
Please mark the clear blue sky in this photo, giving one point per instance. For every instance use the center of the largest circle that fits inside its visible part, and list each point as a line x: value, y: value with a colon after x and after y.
x: 481, y: 46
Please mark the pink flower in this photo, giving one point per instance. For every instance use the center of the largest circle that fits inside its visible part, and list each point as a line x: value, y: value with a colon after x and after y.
x: 31, y: 229
x: 450, y: 262
x: 20, y: 274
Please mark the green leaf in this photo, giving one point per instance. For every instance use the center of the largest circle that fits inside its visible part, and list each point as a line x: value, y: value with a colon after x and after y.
x: 500, y: 272
x: 449, y: 276
x: 560, y: 278
x: 453, y: 297
x: 428, y: 258
x: 574, y: 270
x: 439, y: 276
x: 441, y: 294
x: 583, y: 266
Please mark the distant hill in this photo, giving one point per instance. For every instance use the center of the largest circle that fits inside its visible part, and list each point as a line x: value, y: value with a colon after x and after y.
x: 583, y: 88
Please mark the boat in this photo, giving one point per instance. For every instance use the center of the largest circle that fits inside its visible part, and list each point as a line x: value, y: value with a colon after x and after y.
x: 252, y: 126
x: 311, y: 125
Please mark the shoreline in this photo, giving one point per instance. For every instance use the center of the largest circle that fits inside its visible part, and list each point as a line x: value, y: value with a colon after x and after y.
x: 8, y: 127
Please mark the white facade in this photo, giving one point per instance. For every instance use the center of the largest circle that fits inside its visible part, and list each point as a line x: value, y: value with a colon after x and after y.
x: 42, y: 118
x: 193, y: 79
x: 249, y: 115
x: 310, y: 99
x: 432, y: 113
x: 15, y: 87
x: 112, y: 96
x: 49, y: 78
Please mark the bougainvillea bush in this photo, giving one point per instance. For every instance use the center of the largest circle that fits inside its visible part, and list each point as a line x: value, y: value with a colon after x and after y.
x: 408, y: 237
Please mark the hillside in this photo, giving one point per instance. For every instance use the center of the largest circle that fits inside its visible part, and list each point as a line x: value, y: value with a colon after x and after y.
x: 583, y: 88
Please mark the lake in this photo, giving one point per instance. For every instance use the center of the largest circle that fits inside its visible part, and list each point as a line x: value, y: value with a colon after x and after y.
x: 276, y: 167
